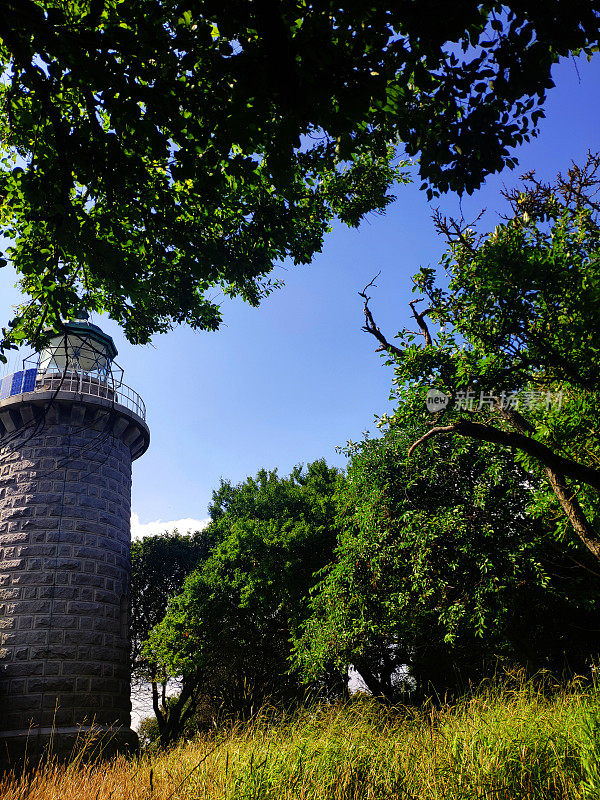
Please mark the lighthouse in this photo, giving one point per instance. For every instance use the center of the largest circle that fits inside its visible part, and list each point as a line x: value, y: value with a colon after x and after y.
x: 70, y: 429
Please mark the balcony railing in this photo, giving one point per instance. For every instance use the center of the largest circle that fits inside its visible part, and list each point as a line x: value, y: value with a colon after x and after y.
x: 82, y: 383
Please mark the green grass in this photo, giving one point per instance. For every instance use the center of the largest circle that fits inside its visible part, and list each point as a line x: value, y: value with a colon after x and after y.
x: 501, y: 743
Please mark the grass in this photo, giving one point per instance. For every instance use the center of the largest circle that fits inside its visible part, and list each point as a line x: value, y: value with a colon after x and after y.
x: 501, y: 743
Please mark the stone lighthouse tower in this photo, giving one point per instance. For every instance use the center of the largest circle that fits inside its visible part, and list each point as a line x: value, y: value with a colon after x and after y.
x: 69, y: 431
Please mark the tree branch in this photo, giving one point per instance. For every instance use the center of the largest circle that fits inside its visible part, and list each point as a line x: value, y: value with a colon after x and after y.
x: 573, y: 510
x: 564, y: 495
x: 420, y: 318
x: 156, y: 708
x: 555, y: 466
x: 488, y: 433
x: 371, y: 327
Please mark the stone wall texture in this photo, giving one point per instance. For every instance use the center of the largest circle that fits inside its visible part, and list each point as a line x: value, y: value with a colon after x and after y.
x: 65, y: 489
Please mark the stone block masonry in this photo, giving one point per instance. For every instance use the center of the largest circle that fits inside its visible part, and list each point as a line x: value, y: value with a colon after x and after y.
x: 65, y: 494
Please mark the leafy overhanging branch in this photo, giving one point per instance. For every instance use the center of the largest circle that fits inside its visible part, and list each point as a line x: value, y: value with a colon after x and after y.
x: 539, y: 451
x: 155, y: 155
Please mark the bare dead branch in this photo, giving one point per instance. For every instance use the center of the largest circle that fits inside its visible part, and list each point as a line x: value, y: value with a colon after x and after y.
x: 578, y: 189
x: 420, y: 318
x: 371, y: 327
x: 368, y: 286
x: 455, y: 230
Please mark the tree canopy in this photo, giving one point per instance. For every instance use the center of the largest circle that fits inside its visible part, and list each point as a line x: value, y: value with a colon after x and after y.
x: 156, y: 153
x: 159, y: 566
x: 227, y: 635
x: 440, y: 575
x: 512, y: 341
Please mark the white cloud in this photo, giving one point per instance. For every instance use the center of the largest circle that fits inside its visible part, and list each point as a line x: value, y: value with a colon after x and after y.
x: 139, y: 529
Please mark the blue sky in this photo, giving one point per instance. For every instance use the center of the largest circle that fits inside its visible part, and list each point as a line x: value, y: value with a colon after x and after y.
x: 288, y: 382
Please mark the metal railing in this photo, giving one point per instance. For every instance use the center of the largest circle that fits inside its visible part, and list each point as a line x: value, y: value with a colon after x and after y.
x: 82, y: 383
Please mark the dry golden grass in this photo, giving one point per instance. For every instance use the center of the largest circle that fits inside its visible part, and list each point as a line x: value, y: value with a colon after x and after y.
x: 501, y: 743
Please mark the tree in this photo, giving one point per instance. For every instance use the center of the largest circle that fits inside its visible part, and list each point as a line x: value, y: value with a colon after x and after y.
x: 159, y: 566
x: 156, y: 151
x: 516, y: 342
x: 227, y: 635
x: 440, y: 575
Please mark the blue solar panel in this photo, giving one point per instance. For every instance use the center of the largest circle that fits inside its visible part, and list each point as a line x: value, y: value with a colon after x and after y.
x: 29, y: 381
x: 5, y: 387
x: 17, y: 380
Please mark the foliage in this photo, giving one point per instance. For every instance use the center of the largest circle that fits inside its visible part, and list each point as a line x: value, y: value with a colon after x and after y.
x: 440, y: 575
x: 227, y: 634
x: 514, y: 341
x: 502, y: 742
x: 154, y: 152
x: 159, y: 566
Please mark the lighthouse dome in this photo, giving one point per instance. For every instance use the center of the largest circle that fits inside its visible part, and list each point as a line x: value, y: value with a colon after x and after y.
x: 81, y: 346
